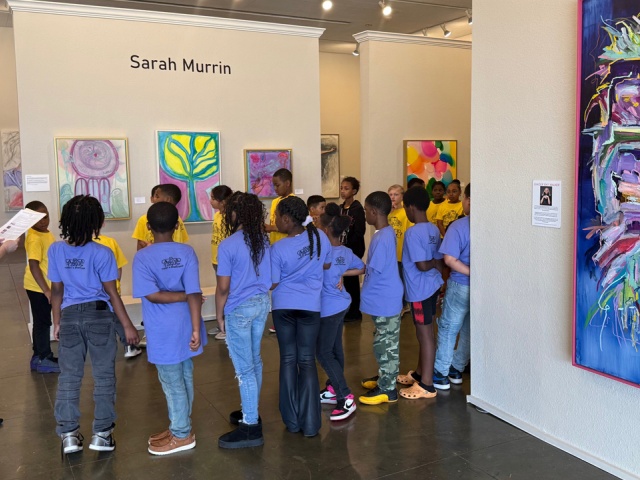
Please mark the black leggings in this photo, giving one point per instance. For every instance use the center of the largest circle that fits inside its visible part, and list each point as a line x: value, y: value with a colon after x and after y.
x: 41, y: 312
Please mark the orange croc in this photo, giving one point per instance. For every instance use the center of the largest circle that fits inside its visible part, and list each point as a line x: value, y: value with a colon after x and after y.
x: 406, y: 379
x: 415, y: 391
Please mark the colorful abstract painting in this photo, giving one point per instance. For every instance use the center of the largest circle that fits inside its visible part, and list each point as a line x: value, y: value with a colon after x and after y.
x: 98, y: 167
x: 260, y: 165
x: 607, y: 222
x: 431, y: 160
x: 330, y: 165
x: 191, y: 160
x: 11, y: 170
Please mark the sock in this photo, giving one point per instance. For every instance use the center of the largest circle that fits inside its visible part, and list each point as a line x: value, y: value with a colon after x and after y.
x: 428, y: 388
x: 417, y: 377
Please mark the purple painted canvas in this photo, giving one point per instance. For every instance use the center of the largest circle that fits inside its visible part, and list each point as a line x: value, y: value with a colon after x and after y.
x: 607, y: 270
x: 260, y: 165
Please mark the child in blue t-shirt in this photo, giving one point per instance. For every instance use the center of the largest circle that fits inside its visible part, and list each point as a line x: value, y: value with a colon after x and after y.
x: 297, y: 264
x: 382, y: 299
x: 84, y: 299
x: 242, y: 306
x: 166, y: 277
x: 422, y: 271
x: 454, y: 320
x: 335, y: 303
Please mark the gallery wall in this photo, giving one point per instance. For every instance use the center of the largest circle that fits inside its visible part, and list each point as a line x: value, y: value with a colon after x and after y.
x: 75, y: 79
x: 523, y: 128
x: 412, y: 88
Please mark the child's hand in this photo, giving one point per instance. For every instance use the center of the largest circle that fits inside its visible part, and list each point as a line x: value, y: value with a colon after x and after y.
x: 48, y: 295
x: 204, y: 299
x: 194, y: 344
x: 56, y: 332
x: 221, y: 325
x: 131, y: 335
x: 339, y: 285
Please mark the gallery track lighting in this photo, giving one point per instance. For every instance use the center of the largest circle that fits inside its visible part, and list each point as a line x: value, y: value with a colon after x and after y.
x: 446, y: 32
x: 386, y: 9
x: 356, y: 52
x: 327, y: 5
x: 469, y: 17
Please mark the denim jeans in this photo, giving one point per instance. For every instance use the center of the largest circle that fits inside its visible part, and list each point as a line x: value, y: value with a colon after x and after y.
x: 454, y: 320
x: 330, y: 353
x: 84, y: 329
x: 41, y: 313
x: 177, y: 384
x: 297, y: 332
x: 245, y: 326
x: 386, y: 346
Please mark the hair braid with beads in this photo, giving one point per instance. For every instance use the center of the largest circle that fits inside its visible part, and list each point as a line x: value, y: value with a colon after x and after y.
x: 249, y: 214
x: 81, y: 220
x: 296, y: 209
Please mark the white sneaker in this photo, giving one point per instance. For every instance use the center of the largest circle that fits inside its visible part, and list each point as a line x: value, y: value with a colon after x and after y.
x: 131, y: 351
x: 214, y: 331
x: 344, y: 410
x: 220, y: 336
x: 272, y: 330
x: 71, y: 442
x: 143, y: 342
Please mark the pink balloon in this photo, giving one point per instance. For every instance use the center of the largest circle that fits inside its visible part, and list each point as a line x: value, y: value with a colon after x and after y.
x: 441, y: 167
x: 429, y: 149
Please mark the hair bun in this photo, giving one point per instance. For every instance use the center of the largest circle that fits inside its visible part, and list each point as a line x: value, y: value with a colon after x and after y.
x: 333, y: 210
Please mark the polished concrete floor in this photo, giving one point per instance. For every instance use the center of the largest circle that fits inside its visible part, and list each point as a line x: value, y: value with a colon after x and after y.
x: 442, y: 438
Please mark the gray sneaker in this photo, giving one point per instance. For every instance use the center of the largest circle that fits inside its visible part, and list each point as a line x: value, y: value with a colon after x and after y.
x: 103, y: 441
x: 71, y: 442
x: 131, y: 351
x: 214, y: 331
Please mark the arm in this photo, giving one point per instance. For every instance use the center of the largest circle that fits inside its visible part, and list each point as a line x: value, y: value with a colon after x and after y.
x: 426, y: 265
x: 141, y: 244
x: 118, y: 308
x: 167, y: 297
x: 457, y: 266
x: 195, y: 309
x: 222, y: 294
x: 34, y: 268
x: 441, y: 227
x: 326, y: 266
x: 270, y: 228
x: 7, y: 246
x: 57, y: 292
x: 440, y: 266
x: 120, y: 273
x: 354, y: 272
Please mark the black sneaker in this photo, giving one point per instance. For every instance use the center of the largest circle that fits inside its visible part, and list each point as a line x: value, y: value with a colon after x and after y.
x: 441, y: 382
x: 455, y: 376
x: 377, y: 396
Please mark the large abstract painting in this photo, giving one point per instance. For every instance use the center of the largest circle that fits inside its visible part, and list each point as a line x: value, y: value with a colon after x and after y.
x: 330, y: 165
x: 11, y: 170
x: 607, y: 248
x: 98, y: 167
x: 431, y: 160
x: 260, y: 165
x: 191, y: 160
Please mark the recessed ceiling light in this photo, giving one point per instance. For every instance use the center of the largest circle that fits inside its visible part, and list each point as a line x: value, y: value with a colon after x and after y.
x: 327, y: 5
x: 386, y: 9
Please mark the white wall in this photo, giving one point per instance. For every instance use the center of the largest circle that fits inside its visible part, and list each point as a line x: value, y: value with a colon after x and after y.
x: 411, y: 91
x: 74, y: 79
x: 523, y: 128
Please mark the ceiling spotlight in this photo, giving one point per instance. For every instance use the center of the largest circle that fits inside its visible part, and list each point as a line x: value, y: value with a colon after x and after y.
x: 446, y: 32
x: 386, y: 9
x: 469, y: 17
x: 356, y: 52
x: 327, y: 4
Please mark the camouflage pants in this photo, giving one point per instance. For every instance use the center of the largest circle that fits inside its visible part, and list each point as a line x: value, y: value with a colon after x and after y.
x: 386, y: 349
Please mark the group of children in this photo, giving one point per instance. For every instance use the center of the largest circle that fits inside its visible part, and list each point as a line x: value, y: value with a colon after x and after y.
x: 309, y: 255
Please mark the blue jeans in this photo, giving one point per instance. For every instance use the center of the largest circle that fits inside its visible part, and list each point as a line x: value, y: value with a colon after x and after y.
x: 245, y: 326
x: 86, y: 328
x: 297, y: 332
x: 330, y: 353
x: 454, y: 320
x: 177, y: 384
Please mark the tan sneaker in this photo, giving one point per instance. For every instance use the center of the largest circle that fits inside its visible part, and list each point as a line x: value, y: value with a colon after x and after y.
x: 157, y: 437
x: 173, y: 445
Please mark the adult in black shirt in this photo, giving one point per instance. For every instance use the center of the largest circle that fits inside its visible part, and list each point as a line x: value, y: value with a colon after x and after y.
x: 354, y: 239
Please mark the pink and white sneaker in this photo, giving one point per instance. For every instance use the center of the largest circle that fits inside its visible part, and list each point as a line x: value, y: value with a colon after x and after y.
x: 328, y: 396
x: 344, y: 409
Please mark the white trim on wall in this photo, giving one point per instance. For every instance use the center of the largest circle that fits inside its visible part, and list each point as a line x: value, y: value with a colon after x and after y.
x: 37, y: 6
x: 370, y: 35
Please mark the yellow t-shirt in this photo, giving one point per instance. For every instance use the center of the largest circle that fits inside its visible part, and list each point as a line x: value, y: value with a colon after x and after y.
x: 275, y: 236
x: 217, y: 235
x: 399, y: 222
x: 449, y: 212
x: 432, y: 211
x: 112, y: 245
x: 37, y: 244
x: 141, y: 231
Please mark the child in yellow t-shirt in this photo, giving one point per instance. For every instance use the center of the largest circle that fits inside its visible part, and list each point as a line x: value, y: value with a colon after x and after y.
x: 161, y: 193
x: 219, y: 196
x: 38, y: 287
x: 450, y: 210
x: 437, y: 193
x: 400, y: 223
x: 282, y: 180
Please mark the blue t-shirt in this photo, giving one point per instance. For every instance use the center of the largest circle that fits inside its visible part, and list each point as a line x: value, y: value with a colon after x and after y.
x: 298, y: 275
x: 421, y: 243
x: 82, y: 271
x: 234, y: 260
x: 167, y: 267
x: 382, y: 288
x: 334, y: 300
x: 457, y: 243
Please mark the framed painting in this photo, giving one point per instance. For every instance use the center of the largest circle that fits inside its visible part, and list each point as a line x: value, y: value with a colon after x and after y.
x: 11, y: 170
x: 260, y: 165
x: 431, y: 160
x: 330, y: 165
x: 96, y: 166
x: 606, y: 323
x: 191, y: 161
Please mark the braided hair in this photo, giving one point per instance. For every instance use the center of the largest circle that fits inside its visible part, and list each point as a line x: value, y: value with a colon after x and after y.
x: 249, y: 214
x: 81, y: 220
x: 333, y: 220
x: 296, y: 210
